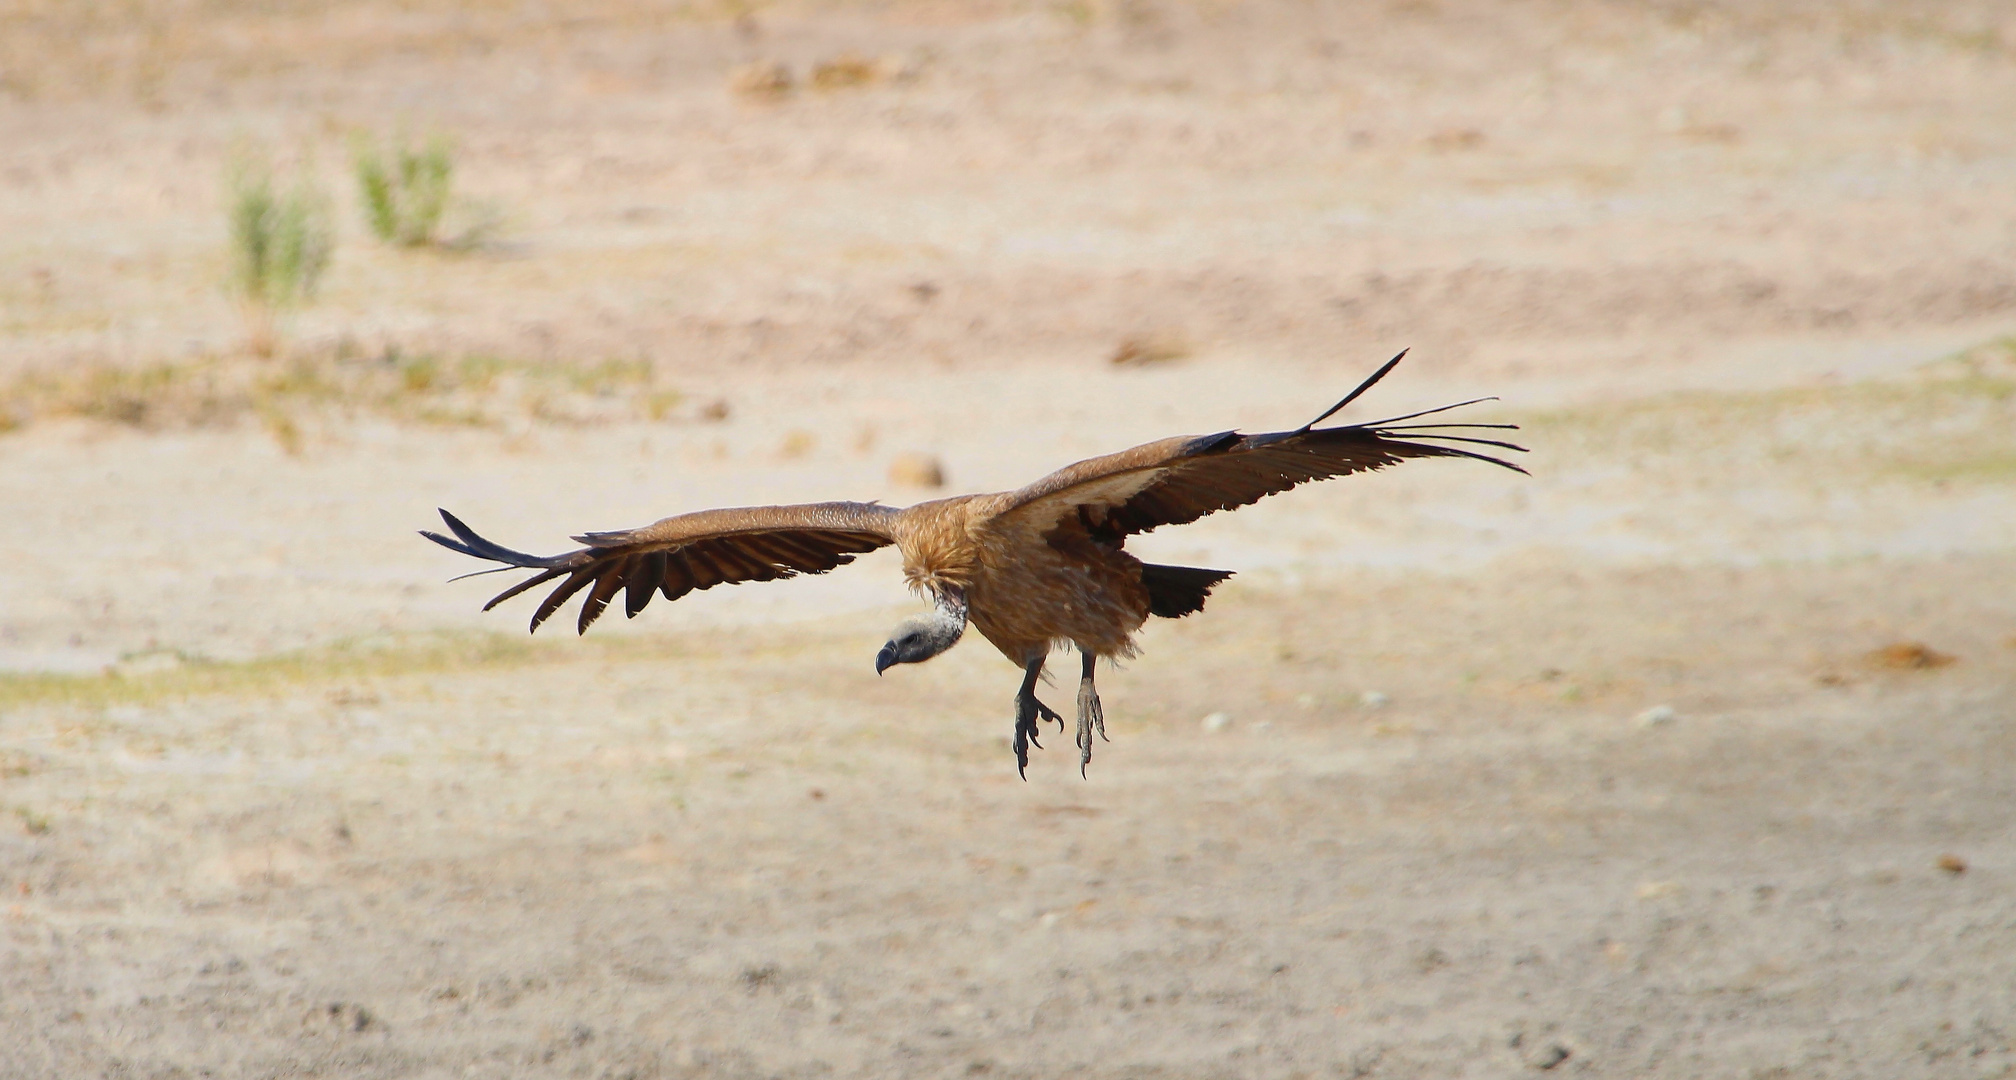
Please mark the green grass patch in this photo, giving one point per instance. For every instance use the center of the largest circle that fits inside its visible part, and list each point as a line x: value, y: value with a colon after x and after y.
x: 374, y: 657
x: 281, y: 239
x: 1992, y: 467
x: 407, y: 193
x: 404, y: 189
x: 1952, y: 420
x: 476, y: 389
x: 281, y: 244
x: 1692, y: 408
x: 164, y: 676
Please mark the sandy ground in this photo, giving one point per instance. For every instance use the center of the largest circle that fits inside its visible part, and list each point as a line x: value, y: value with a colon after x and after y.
x: 1691, y: 755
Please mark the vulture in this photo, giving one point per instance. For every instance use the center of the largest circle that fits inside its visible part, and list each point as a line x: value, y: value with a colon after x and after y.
x: 1041, y: 567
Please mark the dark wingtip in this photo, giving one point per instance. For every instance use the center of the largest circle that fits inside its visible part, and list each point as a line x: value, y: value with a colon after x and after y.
x: 452, y: 545
x: 1451, y: 451
x: 455, y: 525
x: 1377, y: 425
x: 469, y: 543
x: 1353, y: 395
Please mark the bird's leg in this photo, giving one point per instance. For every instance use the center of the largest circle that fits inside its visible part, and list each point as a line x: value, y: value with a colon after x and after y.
x: 1091, y: 717
x: 1028, y: 711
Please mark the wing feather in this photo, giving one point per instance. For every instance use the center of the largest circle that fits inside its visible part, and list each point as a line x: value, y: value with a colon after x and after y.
x: 580, y: 577
x: 687, y: 552
x: 643, y: 583
x: 701, y: 565
x: 678, y: 576
x: 606, y: 585
x: 1176, y: 481
x: 536, y: 579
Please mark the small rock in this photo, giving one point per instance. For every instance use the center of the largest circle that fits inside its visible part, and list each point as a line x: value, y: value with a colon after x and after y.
x: 797, y: 443
x: 848, y: 70
x: 1552, y: 1057
x: 764, y: 79
x: 1952, y: 864
x: 1656, y: 716
x: 1456, y: 139
x: 1217, y: 721
x: 913, y: 469
x: 347, y: 1017
x: 1146, y: 349
x: 1373, y: 699
x: 1908, y: 656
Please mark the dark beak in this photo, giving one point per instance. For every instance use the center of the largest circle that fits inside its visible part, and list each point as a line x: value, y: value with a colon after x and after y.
x: 885, y: 659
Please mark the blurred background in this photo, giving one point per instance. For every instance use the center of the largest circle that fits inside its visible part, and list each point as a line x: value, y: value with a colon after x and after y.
x: 1689, y: 755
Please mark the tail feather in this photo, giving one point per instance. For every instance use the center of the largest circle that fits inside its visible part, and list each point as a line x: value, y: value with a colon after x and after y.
x: 1176, y: 591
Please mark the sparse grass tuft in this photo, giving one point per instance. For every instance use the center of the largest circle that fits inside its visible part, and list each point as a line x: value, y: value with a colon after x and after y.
x: 404, y: 188
x: 196, y: 677
x: 408, y: 192
x: 281, y: 243
x: 371, y: 657
x: 470, y: 390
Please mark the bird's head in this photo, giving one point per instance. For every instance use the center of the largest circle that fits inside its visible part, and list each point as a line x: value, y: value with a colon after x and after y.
x: 921, y: 637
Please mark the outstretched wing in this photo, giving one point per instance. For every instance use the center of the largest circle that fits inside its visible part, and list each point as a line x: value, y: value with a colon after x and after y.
x: 686, y: 552
x: 1174, y: 481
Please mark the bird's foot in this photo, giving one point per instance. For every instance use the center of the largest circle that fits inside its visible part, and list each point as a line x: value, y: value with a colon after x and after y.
x: 1028, y: 711
x: 1091, y: 718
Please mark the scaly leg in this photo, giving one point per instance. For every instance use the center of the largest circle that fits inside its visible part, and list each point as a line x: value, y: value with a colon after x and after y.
x: 1091, y: 717
x: 1028, y: 711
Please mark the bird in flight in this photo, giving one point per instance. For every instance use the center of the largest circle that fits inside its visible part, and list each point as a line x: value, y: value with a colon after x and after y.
x: 1037, y: 568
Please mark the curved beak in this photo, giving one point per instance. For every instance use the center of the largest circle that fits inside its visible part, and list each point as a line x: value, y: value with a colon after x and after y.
x: 885, y: 659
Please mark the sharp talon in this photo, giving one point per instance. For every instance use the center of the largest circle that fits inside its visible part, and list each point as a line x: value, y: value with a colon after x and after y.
x: 1091, y: 718
x: 1029, y: 713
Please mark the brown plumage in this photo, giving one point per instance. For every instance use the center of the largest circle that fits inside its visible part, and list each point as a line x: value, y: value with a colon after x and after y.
x: 1032, y: 569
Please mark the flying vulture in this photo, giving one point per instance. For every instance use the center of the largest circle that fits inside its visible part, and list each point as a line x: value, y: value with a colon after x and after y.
x: 1037, y: 568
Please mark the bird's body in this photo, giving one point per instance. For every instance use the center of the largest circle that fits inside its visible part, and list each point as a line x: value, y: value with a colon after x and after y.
x: 1025, y: 591
x: 1032, y: 569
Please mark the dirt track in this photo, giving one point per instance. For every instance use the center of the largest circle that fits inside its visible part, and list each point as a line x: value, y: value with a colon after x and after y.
x: 1643, y: 766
